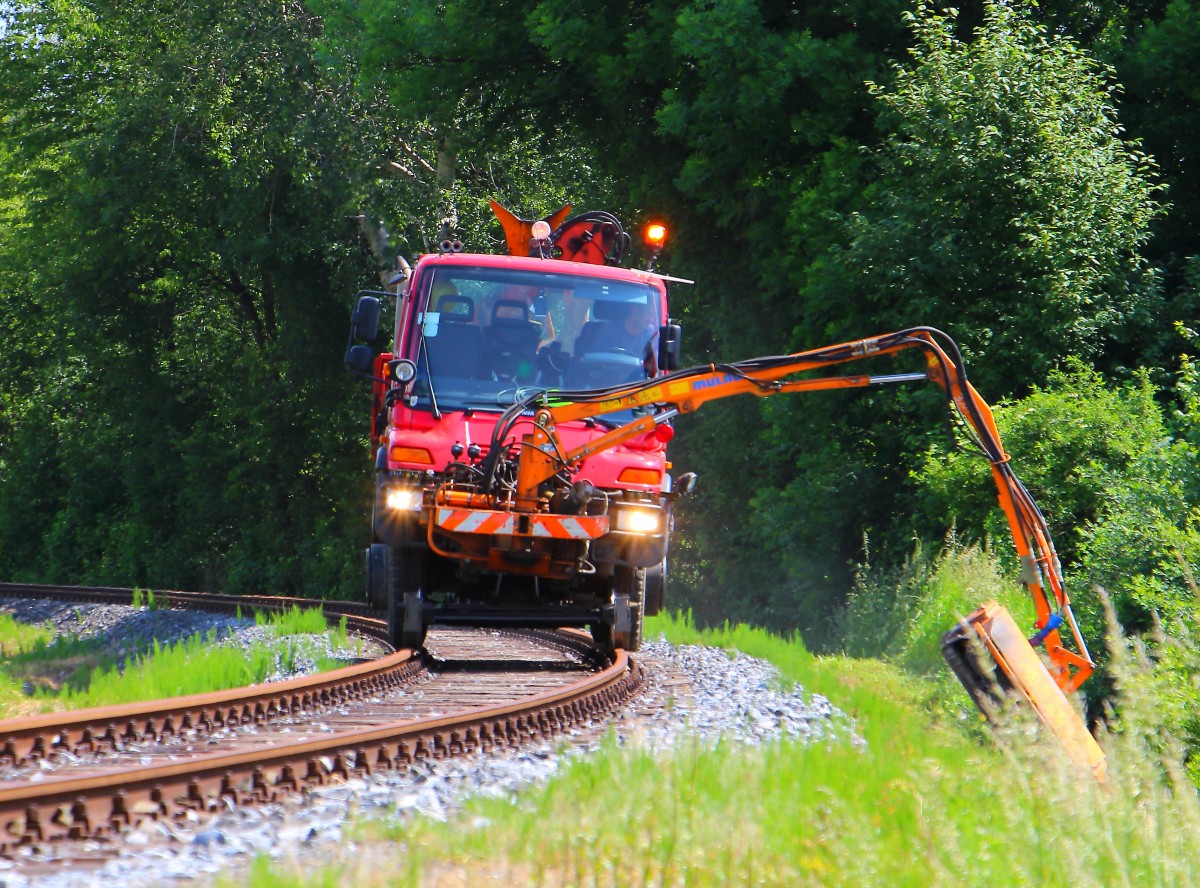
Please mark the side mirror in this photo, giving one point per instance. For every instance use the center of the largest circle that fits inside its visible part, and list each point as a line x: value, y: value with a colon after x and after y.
x: 686, y: 484
x: 364, y: 323
x: 360, y: 359
x: 669, y: 346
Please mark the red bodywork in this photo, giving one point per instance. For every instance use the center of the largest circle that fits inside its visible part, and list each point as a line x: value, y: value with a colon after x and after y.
x: 416, y: 428
x: 482, y: 346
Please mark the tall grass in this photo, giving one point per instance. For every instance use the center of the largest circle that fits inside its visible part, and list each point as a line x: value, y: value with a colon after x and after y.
x: 195, y: 665
x: 192, y: 666
x: 901, y: 614
x: 18, y: 638
x: 922, y: 803
x: 298, y: 621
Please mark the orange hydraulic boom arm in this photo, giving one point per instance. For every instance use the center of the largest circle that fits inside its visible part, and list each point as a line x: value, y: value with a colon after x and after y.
x: 541, y: 454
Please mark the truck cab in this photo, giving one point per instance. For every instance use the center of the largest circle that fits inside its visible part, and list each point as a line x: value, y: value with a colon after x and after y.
x: 477, y: 337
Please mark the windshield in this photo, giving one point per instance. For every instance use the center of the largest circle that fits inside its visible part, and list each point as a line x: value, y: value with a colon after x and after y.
x: 492, y: 336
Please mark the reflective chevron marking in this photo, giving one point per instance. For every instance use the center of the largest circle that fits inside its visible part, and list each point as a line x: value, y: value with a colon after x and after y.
x: 559, y: 527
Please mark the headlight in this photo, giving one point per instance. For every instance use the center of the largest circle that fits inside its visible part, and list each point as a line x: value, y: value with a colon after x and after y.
x: 639, y: 520
x: 405, y: 499
x: 402, y: 370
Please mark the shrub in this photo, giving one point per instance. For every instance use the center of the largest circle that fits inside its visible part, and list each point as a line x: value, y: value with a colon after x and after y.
x: 1112, y: 480
x: 901, y: 613
x: 1078, y: 445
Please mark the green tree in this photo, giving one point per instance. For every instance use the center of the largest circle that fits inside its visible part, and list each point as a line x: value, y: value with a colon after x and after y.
x: 182, y: 183
x: 1008, y: 207
x: 1003, y: 206
x: 1155, y: 57
x: 1116, y: 482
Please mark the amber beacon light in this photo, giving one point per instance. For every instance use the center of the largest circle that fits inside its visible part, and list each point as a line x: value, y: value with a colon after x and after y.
x: 654, y: 236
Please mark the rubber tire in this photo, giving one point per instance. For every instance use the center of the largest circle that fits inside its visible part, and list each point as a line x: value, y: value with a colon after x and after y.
x: 378, y: 576
x: 406, y: 581
x: 631, y: 583
x: 656, y: 588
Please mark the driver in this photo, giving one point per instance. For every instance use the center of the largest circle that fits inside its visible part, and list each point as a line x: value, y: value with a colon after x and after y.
x: 632, y: 334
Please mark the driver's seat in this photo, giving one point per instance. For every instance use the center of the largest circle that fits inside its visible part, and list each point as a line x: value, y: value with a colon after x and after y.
x: 454, y: 351
x: 511, y: 341
x: 605, y: 317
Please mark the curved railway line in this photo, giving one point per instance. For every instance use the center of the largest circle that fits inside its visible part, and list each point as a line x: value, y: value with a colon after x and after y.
x: 161, y: 760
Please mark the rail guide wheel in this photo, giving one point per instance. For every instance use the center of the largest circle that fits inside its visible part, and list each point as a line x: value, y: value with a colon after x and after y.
x: 378, y: 575
x: 627, y: 612
x: 656, y: 584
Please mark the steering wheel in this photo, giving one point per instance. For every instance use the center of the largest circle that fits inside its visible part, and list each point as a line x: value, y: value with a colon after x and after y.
x: 610, y: 366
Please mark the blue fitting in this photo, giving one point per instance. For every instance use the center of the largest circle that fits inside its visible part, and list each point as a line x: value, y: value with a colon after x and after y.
x: 1052, y: 623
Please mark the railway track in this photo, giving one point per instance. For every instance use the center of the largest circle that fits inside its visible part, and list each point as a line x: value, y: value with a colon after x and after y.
x: 117, y: 767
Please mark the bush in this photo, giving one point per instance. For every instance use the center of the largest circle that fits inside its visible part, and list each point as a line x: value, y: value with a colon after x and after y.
x: 1077, y: 444
x: 901, y: 613
x: 1112, y: 480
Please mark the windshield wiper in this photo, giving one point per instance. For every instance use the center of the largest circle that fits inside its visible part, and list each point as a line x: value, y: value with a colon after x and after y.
x: 424, y: 352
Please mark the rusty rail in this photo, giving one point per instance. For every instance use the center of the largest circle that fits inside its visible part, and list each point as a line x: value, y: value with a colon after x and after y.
x: 359, y: 615
x: 67, y: 808
x: 97, y: 807
x: 108, y: 727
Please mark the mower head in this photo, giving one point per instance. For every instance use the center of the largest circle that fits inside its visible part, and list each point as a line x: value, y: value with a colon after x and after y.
x: 995, y: 663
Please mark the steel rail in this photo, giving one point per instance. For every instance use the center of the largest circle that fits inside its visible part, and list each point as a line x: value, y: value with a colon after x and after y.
x: 358, y: 614
x: 96, y: 807
x: 29, y: 738
x: 33, y: 737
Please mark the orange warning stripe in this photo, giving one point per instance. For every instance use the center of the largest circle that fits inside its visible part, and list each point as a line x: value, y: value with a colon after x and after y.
x: 559, y: 527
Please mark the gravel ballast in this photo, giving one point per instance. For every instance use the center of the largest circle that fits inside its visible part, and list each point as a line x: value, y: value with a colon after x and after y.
x: 694, y: 693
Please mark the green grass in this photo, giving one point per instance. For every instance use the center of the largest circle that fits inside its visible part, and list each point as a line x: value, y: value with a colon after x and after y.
x: 298, y: 621
x: 191, y: 666
x: 900, y: 614
x: 44, y: 673
x: 923, y: 803
x: 17, y: 638
x: 292, y: 621
x: 37, y: 665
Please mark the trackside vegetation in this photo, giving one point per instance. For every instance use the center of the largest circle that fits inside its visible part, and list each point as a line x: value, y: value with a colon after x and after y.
x: 43, y: 673
x: 928, y: 799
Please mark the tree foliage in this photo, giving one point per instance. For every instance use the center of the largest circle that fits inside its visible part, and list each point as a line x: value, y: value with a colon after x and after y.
x: 1161, y: 106
x: 1007, y: 202
x: 1001, y: 204
x: 180, y: 187
x: 189, y: 195
x: 1116, y: 478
